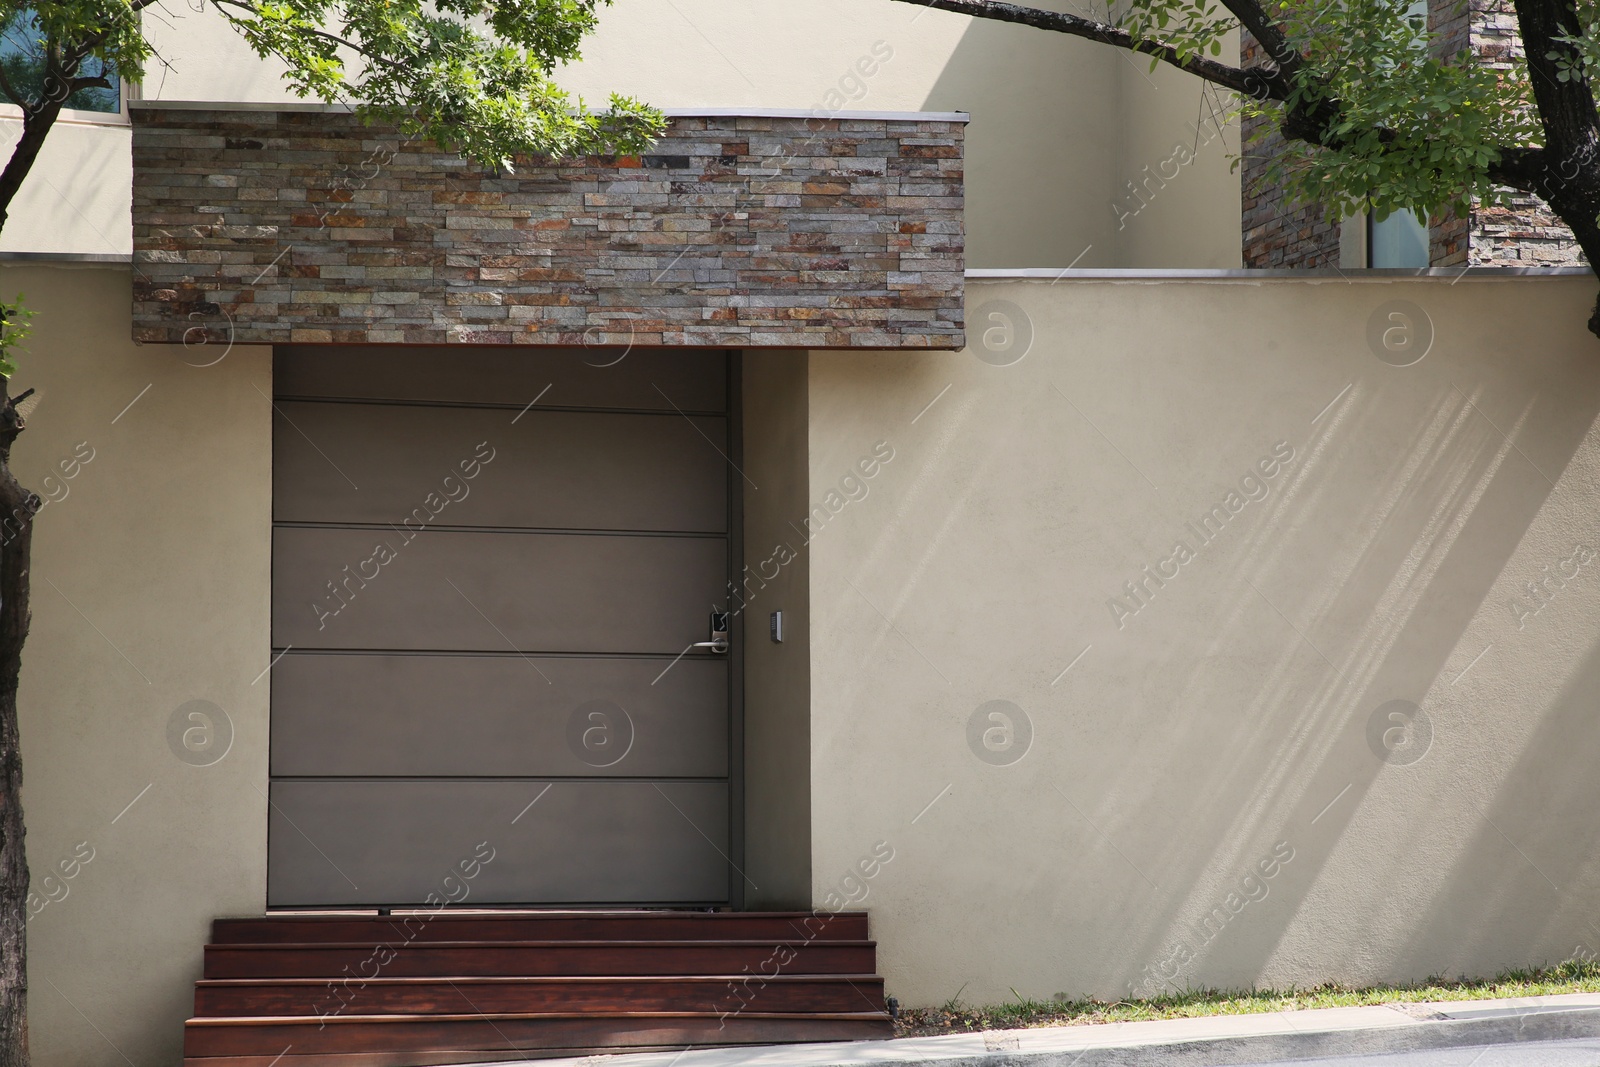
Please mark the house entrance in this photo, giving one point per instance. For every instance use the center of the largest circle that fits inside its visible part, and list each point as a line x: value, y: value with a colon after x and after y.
x: 495, y: 579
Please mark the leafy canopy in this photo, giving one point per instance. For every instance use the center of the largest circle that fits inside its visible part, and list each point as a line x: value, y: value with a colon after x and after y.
x: 1401, y: 123
x: 475, y: 76
x: 14, y: 329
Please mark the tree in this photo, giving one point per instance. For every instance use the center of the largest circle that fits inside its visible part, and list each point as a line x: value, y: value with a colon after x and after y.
x: 473, y: 76
x: 1373, y: 116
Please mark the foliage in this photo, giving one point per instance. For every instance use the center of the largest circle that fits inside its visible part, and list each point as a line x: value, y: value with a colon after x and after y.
x: 1414, y: 129
x: 1404, y: 125
x: 472, y: 75
x: 14, y: 329
x: 475, y: 76
x: 1192, y: 27
x: 1401, y: 125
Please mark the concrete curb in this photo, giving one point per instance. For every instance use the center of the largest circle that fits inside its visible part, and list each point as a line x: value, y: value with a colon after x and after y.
x: 1310, y: 1045
x: 1213, y: 1041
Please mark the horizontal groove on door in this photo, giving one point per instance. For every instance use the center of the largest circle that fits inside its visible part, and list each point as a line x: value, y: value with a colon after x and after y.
x: 592, y: 841
x: 378, y: 463
x: 690, y: 379
x: 492, y: 406
x: 494, y: 591
x: 440, y: 527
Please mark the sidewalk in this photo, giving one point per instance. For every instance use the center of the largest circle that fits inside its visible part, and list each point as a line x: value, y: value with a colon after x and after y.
x: 1212, y: 1041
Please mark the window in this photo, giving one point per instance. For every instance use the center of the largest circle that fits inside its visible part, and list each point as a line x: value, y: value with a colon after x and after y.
x: 22, y: 59
x: 1401, y: 240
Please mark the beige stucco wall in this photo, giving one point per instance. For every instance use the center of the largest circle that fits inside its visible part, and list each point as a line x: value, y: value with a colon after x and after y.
x: 1059, y: 125
x: 77, y: 197
x: 150, y: 590
x: 1174, y: 198
x: 1210, y: 750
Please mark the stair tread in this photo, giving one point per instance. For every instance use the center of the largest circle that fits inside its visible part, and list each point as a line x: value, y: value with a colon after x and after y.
x: 537, y: 915
x: 345, y: 1020
x: 276, y: 946
x: 710, y: 979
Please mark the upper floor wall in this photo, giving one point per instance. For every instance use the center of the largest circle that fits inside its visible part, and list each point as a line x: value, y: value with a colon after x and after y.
x: 1076, y: 154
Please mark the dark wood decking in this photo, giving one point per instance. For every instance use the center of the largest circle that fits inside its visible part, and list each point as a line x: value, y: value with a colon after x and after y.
x: 414, y: 990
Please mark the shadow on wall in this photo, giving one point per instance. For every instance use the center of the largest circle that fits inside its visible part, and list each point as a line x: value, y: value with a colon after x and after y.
x: 1078, y: 154
x: 1327, y: 752
x: 1431, y: 551
x: 1302, y: 759
x: 1537, y: 848
x: 1337, y: 738
x: 1039, y: 148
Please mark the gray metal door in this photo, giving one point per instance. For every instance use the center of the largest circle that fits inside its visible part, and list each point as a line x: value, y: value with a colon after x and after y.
x: 487, y: 568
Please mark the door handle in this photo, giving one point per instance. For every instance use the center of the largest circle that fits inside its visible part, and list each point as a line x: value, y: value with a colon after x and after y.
x: 719, y: 634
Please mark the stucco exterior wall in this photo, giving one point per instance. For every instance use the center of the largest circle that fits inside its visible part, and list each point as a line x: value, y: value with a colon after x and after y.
x: 1217, y: 787
x: 1051, y: 146
x: 1174, y: 198
x: 150, y: 606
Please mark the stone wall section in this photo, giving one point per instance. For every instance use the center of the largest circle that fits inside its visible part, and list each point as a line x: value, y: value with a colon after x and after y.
x: 271, y: 226
x: 1278, y: 233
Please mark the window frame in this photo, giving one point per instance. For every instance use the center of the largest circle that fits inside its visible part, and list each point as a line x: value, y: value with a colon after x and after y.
x: 79, y: 117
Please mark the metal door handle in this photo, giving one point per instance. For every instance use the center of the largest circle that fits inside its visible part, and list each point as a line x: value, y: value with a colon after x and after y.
x: 719, y: 634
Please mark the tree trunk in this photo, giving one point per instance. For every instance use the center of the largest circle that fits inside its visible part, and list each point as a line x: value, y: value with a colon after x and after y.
x: 17, y: 507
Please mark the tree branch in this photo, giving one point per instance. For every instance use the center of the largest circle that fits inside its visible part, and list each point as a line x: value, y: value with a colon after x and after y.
x: 11, y: 93
x: 1251, y: 81
x: 1525, y: 169
x: 1566, y: 108
x: 1269, y: 35
x: 335, y: 38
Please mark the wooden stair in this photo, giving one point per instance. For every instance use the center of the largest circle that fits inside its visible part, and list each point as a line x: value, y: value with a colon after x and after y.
x: 409, y: 990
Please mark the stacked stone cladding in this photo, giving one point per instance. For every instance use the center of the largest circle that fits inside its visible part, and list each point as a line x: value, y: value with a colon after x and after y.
x: 273, y: 226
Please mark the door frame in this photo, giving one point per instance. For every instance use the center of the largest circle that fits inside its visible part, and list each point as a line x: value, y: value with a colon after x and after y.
x: 733, y: 377
x: 738, y: 632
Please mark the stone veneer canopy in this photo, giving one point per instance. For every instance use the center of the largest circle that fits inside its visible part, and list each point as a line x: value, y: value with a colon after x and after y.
x: 276, y: 225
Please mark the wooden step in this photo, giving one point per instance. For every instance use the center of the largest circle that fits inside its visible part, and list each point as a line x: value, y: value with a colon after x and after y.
x: 461, y: 995
x: 516, y: 1033
x: 452, y: 1058
x: 539, y: 959
x: 429, y: 989
x: 543, y: 926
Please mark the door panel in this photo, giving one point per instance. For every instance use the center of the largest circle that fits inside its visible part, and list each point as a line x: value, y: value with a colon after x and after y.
x: 377, y: 463
x: 448, y: 653
x: 494, y: 592
x: 381, y: 715
x: 366, y: 842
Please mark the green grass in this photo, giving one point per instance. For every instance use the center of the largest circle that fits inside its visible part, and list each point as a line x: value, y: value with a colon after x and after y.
x: 955, y: 1017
